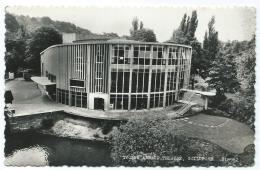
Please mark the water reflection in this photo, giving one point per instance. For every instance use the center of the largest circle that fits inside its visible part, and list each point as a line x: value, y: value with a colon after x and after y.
x: 54, y: 151
x: 32, y: 156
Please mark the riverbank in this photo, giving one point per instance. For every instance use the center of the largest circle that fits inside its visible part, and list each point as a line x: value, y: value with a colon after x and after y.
x: 36, y: 149
x: 63, y: 124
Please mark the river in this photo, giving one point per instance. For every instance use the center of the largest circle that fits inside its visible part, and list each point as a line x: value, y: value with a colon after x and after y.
x: 41, y: 150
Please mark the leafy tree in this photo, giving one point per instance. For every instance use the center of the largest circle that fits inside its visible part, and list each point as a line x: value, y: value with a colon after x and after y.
x: 198, y: 62
x: 11, y: 25
x: 233, y: 71
x: 246, y: 64
x: 246, y: 75
x: 41, y: 39
x: 141, y: 25
x: 135, y: 25
x: 211, y: 42
x: 223, y: 73
x: 110, y: 34
x: 140, y: 33
x: 146, y: 35
x: 179, y: 37
x: 192, y: 26
x: 15, y: 42
x: 185, y: 34
x: 186, y: 30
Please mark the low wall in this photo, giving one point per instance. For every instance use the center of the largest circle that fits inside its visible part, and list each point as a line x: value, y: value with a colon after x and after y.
x: 31, y: 122
x: 47, y: 119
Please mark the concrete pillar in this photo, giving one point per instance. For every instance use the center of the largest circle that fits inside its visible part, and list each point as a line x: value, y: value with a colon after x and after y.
x: 206, y: 103
x: 110, y: 53
x: 130, y: 76
x: 166, y: 56
x: 178, y: 72
x: 150, y: 77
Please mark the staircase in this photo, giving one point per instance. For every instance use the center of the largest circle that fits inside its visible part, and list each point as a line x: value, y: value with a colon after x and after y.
x: 187, y: 104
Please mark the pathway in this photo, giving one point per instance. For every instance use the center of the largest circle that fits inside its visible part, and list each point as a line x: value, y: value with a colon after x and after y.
x: 227, y: 133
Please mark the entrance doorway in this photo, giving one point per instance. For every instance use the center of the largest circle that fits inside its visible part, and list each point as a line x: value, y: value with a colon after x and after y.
x: 98, y: 103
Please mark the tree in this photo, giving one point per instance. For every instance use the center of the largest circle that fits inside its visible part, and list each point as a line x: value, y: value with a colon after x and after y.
x: 146, y: 35
x: 223, y: 74
x: 185, y: 34
x: 110, y: 34
x: 41, y: 39
x: 246, y: 75
x: 135, y: 25
x: 192, y: 26
x: 140, y: 33
x: 11, y: 24
x: 186, y: 30
x: 141, y: 25
x: 246, y: 63
x: 211, y: 42
x: 15, y: 43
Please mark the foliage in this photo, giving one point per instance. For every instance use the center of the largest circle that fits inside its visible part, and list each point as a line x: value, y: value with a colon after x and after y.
x: 15, y: 44
x: 185, y: 34
x: 156, y: 141
x: 19, y: 36
x: 31, y: 24
x: 140, y: 33
x: 210, y: 44
x: 135, y: 25
x: 246, y: 69
x: 223, y: 73
x: 111, y: 34
x: 146, y: 35
x: 11, y: 25
x: 186, y: 31
x: 140, y: 137
x: 41, y: 39
x: 233, y: 70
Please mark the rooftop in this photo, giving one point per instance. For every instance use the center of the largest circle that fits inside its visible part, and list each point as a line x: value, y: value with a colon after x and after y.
x: 114, y: 41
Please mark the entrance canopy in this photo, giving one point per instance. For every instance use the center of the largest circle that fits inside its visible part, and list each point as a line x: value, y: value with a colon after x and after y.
x: 44, y: 81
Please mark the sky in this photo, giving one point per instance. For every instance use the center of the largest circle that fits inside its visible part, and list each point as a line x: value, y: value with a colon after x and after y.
x: 236, y: 23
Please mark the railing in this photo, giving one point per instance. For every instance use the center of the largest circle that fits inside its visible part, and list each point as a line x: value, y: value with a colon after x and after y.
x: 187, y: 103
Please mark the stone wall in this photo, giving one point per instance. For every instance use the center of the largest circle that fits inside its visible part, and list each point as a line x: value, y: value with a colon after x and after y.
x: 47, y: 119
x: 32, y: 122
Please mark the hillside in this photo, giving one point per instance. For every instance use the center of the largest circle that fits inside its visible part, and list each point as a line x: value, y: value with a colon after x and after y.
x: 33, y: 23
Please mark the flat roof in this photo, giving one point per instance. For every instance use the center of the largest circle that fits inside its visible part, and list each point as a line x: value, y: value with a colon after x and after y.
x: 117, y: 41
x: 204, y: 93
x: 44, y: 81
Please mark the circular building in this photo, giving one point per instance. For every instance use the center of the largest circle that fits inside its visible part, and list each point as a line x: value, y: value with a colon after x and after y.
x: 116, y: 74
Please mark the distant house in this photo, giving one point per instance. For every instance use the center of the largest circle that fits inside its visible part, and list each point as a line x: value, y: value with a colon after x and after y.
x: 115, y: 74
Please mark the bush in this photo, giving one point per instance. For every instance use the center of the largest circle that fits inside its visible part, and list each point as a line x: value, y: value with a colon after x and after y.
x: 240, y: 109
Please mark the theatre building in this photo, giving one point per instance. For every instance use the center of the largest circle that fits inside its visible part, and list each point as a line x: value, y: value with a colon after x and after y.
x: 116, y: 74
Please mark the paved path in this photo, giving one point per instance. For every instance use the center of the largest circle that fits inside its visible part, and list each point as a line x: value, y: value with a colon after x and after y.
x: 29, y: 100
x: 227, y: 133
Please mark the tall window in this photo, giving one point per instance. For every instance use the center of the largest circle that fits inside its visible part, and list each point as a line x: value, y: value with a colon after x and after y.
x: 99, y: 68
x: 120, y: 54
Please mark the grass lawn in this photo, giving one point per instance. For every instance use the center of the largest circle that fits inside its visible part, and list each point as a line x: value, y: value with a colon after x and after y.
x: 227, y: 133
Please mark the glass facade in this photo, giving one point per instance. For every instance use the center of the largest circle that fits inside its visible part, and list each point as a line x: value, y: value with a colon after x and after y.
x: 147, y: 76
x: 128, y: 76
